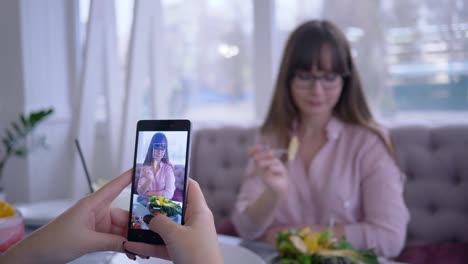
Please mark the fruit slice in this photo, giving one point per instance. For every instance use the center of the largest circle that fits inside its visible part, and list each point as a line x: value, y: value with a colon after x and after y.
x: 293, y: 148
x: 6, y: 210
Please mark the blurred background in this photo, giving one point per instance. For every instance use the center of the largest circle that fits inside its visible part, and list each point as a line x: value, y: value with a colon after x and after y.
x: 103, y: 65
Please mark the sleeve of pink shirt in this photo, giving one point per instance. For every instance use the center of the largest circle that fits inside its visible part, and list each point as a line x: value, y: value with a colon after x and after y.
x: 385, y: 213
x: 251, y: 188
x: 142, y: 179
x: 169, y: 187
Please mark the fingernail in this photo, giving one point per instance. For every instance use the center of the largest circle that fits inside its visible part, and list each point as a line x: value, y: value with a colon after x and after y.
x: 130, y: 256
x: 147, y: 219
x: 128, y: 252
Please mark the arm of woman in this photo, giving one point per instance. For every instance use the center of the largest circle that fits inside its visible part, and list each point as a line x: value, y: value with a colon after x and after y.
x: 169, y: 187
x: 144, y: 181
x: 260, y: 194
x: 385, y: 213
x: 194, y: 242
x: 90, y: 225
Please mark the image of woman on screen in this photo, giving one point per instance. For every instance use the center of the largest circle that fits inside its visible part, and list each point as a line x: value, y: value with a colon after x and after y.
x: 157, y: 173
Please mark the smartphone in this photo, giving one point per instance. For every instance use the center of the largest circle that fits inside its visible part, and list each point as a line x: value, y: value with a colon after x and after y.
x: 160, y: 175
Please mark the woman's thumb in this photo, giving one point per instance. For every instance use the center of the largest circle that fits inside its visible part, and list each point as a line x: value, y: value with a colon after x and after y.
x: 161, y: 224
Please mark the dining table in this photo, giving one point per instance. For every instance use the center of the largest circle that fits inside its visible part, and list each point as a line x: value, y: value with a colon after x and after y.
x: 234, y: 249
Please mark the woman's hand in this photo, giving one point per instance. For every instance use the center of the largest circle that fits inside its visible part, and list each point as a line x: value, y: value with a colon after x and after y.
x: 270, y: 168
x: 147, y: 177
x: 90, y: 225
x: 195, y: 242
x: 151, y: 193
x: 145, y: 172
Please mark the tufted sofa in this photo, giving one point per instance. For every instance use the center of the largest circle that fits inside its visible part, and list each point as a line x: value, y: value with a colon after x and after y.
x: 434, y: 159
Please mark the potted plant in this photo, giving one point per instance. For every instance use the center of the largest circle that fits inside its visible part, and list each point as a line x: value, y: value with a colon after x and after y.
x: 14, y: 142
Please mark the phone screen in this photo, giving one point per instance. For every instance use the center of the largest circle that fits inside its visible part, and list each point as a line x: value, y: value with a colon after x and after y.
x: 160, y: 175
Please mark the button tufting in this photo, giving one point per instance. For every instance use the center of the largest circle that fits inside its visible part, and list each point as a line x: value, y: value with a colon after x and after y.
x: 223, y: 212
x: 433, y: 208
x: 226, y: 164
x: 211, y: 187
x: 456, y: 180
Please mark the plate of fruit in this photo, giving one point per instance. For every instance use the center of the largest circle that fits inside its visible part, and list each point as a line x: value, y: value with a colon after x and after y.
x: 162, y: 205
x: 11, y: 226
x: 306, y: 247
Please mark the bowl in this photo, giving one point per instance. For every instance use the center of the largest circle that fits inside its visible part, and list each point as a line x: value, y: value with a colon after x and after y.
x: 11, y: 231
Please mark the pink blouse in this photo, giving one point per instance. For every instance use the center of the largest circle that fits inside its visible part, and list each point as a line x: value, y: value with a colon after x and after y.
x: 352, y: 179
x: 163, y: 183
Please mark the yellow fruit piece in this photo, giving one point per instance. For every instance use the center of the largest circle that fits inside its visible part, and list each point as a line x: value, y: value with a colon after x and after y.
x: 293, y: 148
x: 311, y: 242
x: 298, y: 243
x: 305, y: 232
x: 6, y: 210
x: 162, y: 200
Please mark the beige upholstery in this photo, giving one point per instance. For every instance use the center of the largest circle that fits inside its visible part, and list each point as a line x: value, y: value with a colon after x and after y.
x: 436, y: 165
x: 218, y: 160
x: 435, y: 161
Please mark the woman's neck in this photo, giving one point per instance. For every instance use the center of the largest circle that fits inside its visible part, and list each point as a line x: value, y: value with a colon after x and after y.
x: 313, y: 125
x: 156, y: 164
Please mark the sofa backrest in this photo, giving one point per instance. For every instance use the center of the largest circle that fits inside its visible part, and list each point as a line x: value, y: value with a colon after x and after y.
x: 435, y: 161
x: 218, y: 161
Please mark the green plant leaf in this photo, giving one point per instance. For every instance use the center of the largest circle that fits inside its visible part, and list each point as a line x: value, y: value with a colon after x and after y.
x: 36, y: 117
x: 368, y: 256
x: 24, y: 122
x: 10, y: 135
x: 33, y: 118
x: 17, y: 128
x: 21, y: 153
x: 305, y: 259
x: 344, y: 244
x: 6, y: 143
x: 324, y: 237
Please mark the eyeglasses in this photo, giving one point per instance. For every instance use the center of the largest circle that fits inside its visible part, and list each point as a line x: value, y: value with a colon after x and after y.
x: 159, y: 146
x: 303, y: 80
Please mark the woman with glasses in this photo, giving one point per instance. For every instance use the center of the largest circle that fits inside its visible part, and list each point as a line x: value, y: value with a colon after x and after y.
x: 340, y: 171
x: 157, y: 173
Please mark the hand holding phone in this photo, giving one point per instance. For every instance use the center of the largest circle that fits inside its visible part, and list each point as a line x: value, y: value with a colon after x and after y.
x: 160, y: 174
x: 196, y: 242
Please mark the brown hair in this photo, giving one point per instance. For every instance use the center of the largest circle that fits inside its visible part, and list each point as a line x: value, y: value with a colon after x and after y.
x: 302, y: 52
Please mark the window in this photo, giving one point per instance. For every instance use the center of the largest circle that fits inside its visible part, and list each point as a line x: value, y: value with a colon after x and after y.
x: 207, y: 58
x: 123, y: 22
x: 412, y: 55
x: 208, y: 46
